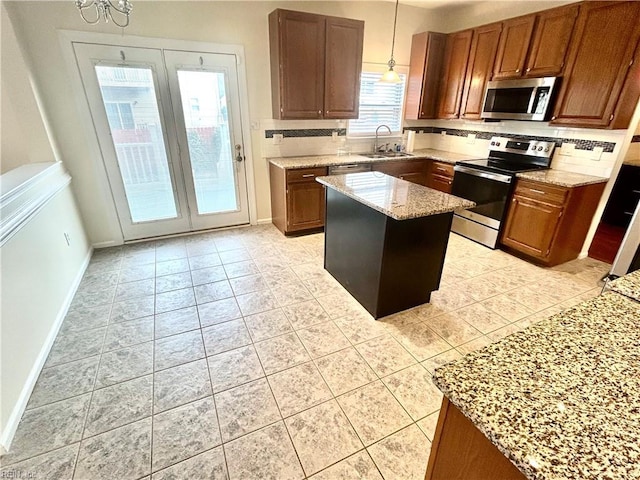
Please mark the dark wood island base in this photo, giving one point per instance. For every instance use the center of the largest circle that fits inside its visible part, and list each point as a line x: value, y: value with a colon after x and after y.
x: 387, y: 265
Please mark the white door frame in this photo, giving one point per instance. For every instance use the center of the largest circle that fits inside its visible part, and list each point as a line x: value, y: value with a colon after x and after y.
x: 68, y: 37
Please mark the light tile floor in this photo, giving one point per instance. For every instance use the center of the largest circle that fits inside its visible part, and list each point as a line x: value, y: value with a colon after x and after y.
x: 235, y: 355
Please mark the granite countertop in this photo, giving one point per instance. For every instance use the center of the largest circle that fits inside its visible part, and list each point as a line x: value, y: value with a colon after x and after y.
x: 629, y: 285
x: 560, y: 399
x: 395, y: 198
x: 562, y: 178
x: 332, y: 160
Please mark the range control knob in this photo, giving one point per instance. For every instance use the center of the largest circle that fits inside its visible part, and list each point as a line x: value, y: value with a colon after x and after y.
x: 540, y: 148
x: 497, y: 144
x: 493, y: 143
x: 546, y: 149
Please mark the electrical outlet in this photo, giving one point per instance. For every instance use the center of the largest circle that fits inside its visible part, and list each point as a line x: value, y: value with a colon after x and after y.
x: 334, y: 136
x: 443, y: 133
x: 67, y: 238
x: 568, y: 149
x: 597, y: 153
x: 277, y: 138
x: 471, y: 138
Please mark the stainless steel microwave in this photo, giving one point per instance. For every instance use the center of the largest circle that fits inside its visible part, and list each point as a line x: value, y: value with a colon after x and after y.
x: 522, y: 99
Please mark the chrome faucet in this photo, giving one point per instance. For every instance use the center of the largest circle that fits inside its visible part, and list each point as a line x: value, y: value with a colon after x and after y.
x: 375, y: 144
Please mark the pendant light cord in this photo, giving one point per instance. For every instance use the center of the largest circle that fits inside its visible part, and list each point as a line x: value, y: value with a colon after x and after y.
x: 395, y: 21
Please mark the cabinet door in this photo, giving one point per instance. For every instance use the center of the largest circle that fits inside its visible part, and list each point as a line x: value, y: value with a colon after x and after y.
x: 551, y: 42
x: 305, y: 205
x: 480, y: 68
x: 513, y: 47
x: 456, y: 58
x: 418, y: 177
x: 599, y: 58
x: 531, y: 226
x: 343, y: 64
x: 300, y: 40
x: 425, y: 75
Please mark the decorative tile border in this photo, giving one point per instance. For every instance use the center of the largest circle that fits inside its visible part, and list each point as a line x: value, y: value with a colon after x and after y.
x: 607, y: 147
x: 306, y: 132
x: 635, y: 139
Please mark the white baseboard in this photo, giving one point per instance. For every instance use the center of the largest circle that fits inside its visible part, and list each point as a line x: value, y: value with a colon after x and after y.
x: 108, y: 243
x: 264, y: 221
x: 16, y: 414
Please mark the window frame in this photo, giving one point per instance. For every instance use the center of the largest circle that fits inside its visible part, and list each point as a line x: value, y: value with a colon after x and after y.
x: 381, y: 68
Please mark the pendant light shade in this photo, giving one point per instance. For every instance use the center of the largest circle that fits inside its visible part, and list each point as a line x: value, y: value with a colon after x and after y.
x: 390, y: 76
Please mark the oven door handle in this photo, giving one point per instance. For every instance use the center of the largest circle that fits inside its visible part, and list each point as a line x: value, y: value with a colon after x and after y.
x: 481, y: 173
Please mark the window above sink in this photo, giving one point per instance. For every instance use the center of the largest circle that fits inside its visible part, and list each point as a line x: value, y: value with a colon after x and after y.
x: 380, y: 103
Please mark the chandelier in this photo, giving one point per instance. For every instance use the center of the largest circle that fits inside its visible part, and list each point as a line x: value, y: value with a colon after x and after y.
x: 104, y: 9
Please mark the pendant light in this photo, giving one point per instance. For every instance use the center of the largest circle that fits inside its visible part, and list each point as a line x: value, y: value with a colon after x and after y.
x: 390, y: 76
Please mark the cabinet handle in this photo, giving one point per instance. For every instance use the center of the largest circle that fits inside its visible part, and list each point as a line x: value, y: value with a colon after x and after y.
x: 441, y: 169
x: 319, y: 112
x: 553, y: 118
x: 517, y: 70
x: 307, y: 175
x: 528, y: 70
x: 449, y: 182
x: 538, y: 191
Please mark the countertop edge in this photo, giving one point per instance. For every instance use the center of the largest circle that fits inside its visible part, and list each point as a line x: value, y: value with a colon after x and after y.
x: 388, y: 213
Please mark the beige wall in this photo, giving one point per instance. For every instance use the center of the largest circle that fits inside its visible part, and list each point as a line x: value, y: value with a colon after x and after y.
x: 23, y: 137
x: 480, y: 13
x: 243, y: 23
x: 39, y: 274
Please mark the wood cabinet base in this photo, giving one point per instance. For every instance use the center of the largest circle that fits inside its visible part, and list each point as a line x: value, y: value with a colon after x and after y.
x: 461, y: 452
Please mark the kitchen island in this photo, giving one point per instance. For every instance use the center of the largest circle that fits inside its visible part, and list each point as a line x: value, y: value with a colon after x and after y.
x: 558, y: 400
x: 386, y: 238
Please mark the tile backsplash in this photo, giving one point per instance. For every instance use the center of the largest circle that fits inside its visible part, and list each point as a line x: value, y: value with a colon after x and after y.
x: 589, y: 151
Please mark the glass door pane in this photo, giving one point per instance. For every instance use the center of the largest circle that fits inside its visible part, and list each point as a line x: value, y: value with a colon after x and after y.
x: 129, y: 98
x: 206, y: 119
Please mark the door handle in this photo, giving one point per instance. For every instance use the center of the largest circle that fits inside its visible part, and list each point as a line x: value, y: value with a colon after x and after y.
x: 239, y: 157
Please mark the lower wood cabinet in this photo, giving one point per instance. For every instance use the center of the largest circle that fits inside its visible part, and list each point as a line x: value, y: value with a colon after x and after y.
x: 549, y: 223
x: 440, y: 176
x: 414, y: 171
x: 297, y: 200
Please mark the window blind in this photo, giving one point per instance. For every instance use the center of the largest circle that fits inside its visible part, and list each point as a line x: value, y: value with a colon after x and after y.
x: 380, y: 103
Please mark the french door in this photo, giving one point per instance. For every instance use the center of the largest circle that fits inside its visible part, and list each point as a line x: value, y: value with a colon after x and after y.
x: 168, y: 125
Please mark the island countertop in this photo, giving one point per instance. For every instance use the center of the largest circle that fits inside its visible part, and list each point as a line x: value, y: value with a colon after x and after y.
x: 393, y: 197
x: 560, y: 399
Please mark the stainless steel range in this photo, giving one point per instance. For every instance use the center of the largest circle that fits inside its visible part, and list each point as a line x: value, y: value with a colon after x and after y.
x: 489, y: 183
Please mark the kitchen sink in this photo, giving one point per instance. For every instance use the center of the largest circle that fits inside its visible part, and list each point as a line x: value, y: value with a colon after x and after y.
x: 387, y: 155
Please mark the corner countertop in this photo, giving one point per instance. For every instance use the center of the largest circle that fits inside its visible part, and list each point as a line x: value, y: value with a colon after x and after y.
x: 332, y: 160
x: 393, y: 197
x: 629, y: 286
x: 562, y: 178
x: 560, y: 399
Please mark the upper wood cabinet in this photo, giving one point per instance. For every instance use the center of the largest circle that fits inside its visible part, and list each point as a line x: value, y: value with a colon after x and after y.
x: 599, y: 82
x: 315, y: 65
x: 550, y: 41
x: 479, y: 68
x: 456, y: 58
x: 535, y: 45
x: 513, y: 47
x: 423, y: 86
